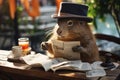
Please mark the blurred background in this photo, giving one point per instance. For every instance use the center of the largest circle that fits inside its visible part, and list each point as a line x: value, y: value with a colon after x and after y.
x: 32, y: 19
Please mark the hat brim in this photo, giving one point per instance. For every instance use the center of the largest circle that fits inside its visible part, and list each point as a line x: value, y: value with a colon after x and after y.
x: 83, y: 18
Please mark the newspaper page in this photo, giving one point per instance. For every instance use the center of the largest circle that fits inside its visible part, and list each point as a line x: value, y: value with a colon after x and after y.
x: 42, y: 60
x: 75, y: 65
x: 97, y: 70
x: 4, y: 55
x: 92, y: 70
x: 64, y: 49
x: 58, y: 63
x: 96, y: 73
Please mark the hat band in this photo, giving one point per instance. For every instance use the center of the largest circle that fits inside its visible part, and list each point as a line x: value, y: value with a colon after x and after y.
x: 69, y: 15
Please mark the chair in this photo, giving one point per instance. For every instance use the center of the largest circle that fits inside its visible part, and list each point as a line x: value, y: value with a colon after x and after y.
x: 109, y: 38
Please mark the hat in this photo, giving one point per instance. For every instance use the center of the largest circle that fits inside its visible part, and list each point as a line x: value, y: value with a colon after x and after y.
x: 72, y: 10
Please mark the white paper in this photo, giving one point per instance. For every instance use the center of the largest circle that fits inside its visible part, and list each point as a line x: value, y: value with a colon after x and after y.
x: 92, y: 70
x: 96, y: 73
x: 72, y: 65
x: 86, y: 66
x: 48, y: 63
x: 64, y: 49
x: 97, y: 65
x: 97, y: 70
x: 40, y: 59
x: 34, y: 58
x: 4, y: 55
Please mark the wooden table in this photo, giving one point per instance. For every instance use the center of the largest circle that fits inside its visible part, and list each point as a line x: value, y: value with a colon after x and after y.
x: 16, y: 71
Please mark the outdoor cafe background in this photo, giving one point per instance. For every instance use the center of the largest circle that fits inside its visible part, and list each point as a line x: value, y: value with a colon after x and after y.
x: 30, y: 11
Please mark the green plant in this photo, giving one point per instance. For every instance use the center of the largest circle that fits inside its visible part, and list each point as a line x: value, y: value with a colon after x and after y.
x: 97, y: 8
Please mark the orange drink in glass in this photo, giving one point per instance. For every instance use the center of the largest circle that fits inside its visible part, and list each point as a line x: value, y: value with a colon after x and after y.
x: 24, y: 43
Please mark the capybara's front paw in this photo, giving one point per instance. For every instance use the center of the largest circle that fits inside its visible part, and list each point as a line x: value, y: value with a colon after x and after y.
x: 77, y: 49
x: 44, y: 45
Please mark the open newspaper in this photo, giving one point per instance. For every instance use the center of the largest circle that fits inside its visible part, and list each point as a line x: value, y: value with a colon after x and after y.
x: 60, y: 48
x: 41, y: 60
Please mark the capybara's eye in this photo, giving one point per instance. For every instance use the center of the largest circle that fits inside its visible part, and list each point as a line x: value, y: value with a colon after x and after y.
x: 70, y: 23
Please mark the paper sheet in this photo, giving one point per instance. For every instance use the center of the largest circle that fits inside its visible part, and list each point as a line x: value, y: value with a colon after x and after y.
x: 64, y: 49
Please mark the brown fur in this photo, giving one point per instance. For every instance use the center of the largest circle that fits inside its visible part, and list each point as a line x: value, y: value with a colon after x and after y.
x: 79, y: 31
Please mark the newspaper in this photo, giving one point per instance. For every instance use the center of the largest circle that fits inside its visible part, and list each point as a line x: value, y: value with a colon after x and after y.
x: 76, y: 65
x: 55, y: 64
x: 4, y: 55
x: 96, y: 73
x: 37, y: 60
x: 64, y: 49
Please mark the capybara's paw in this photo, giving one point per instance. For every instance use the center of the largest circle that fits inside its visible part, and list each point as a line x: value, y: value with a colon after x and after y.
x: 44, y: 45
x: 77, y: 49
